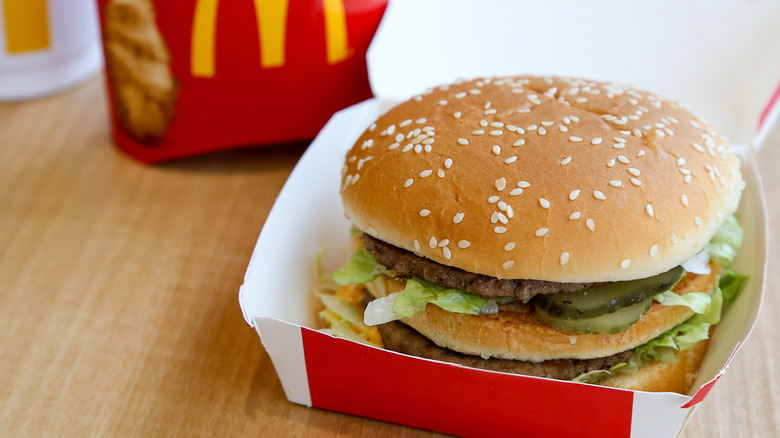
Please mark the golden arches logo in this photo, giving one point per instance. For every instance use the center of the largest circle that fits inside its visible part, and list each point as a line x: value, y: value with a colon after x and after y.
x: 26, y: 25
x: 271, y: 17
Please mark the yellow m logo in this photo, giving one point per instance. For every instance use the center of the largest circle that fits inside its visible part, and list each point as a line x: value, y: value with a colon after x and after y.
x: 271, y: 16
x: 26, y: 25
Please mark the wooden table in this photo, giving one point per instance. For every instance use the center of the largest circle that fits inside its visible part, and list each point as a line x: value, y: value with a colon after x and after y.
x: 118, y: 292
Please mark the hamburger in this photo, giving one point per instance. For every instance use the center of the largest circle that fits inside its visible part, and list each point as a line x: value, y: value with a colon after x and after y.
x: 547, y: 226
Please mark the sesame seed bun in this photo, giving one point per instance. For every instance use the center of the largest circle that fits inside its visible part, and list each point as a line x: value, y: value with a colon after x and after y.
x: 555, y: 179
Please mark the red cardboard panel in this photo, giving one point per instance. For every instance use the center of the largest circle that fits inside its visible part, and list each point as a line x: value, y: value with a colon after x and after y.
x: 348, y: 377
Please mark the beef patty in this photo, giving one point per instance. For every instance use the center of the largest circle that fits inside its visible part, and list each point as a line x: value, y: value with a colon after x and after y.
x: 407, y: 264
x: 399, y: 337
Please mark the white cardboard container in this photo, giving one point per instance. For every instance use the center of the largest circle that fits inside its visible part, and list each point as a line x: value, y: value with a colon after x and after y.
x: 723, y: 59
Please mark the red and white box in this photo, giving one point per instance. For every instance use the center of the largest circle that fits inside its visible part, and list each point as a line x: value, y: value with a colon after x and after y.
x: 719, y: 60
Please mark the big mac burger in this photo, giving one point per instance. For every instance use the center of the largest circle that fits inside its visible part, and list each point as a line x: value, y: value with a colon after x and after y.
x: 546, y: 226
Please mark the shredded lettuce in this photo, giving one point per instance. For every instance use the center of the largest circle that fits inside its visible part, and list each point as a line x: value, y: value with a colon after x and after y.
x: 732, y: 283
x: 361, y: 268
x: 727, y: 240
x: 696, y: 301
x: 418, y: 293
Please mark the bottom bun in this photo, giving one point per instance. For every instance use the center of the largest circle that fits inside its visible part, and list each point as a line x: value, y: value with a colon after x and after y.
x: 664, y: 376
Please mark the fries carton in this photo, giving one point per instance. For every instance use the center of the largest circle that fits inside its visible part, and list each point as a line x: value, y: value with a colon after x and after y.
x: 188, y: 77
x: 322, y: 371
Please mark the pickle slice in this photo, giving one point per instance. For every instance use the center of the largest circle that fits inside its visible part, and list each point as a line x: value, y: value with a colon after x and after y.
x: 606, y: 298
x: 606, y: 324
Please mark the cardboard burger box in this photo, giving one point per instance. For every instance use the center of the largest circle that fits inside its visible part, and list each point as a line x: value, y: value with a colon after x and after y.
x: 702, y: 58
x: 189, y: 77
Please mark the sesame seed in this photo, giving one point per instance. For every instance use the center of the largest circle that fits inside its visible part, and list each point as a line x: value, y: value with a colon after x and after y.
x: 440, y: 173
x: 432, y: 243
x: 619, y: 145
x: 405, y: 123
x: 499, y: 229
x: 355, y: 179
x: 574, y: 194
x: 463, y: 142
x: 598, y: 195
x: 575, y: 216
x: 623, y: 159
x: 544, y: 203
x: 428, y: 141
x: 508, y: 264
x: 541, y: 232
x: 426, y: 173
x: 596, y: 140
x: 428, y: 148
x: 563, y: 128
x: 566, y: 119
x: 490, y: 112
x: 463, y: 244
x: 524, y: 184
x: 616, y: 183
x: 511, y: 159
x: 456, y: 114
x: 460, y: 95
x: 681, y: 161
x: 418, y: 148
x: 687, y: 179
x: 547, y: 123
x: 673, y: 238
x: 458, y: 218
x: 493, y: 199
x: 393, y: 146
x: 447, y: 253
x: 654, y: 250
x: 497, y: 125
x: 698, y: 147
x: 564, y: 258
x: 511, y: 128
x: 448, y: 163
x: 488, y: 104
x: 503, y: 205
x: 408, y: 182
x: 425, y: 212
x: 516, y: 192
x: 408, y: 148
x: 634, y: 171
x: 649, y: 210
x: 444, y: 243
x: 442, y: 102
x: 575, y: 139
x: 531, y: 127
x: 574, y: 118
x: 519, y: 143
x: 684, y: 199
x: 372, y: 127
x: 417, y: 245
x: 496, y: 149
x: 542, y: 131
x: 635, y: 182
x: 421, y: 121
x: 509, y: 246
x: 590, y: 224
x: 500, y: 183
x: 566, y: 161
x: 625, y: 263
x: 496, y: 132
x: 478, y: 132
x: 637, y: 132
x: 641, y: 153
x: 611, y: 162
x: 697, y: 220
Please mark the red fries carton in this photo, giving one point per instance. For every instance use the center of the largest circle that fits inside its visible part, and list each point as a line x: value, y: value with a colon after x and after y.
x: 322, y: 371
x: 188, y: 77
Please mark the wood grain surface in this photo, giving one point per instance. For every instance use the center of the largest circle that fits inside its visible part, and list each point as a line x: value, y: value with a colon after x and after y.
x: 119, y: 281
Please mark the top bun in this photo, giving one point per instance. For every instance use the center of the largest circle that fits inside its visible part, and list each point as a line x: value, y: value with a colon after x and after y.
x: 547, y: 178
